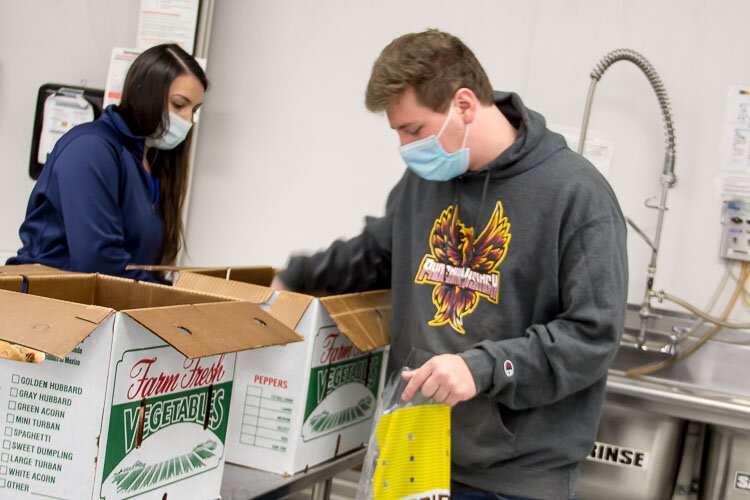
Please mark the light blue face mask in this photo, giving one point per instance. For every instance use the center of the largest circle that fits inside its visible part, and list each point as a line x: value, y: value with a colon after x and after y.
x: 427, y: 158
x: 177, y: 130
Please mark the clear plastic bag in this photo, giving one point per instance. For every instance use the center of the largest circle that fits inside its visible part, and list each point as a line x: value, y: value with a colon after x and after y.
x: 409, y: 453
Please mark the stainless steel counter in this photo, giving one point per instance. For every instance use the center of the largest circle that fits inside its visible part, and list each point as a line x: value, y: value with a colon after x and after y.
x: 689, y: 403
x: 712, y: 385
x: 243, y: 483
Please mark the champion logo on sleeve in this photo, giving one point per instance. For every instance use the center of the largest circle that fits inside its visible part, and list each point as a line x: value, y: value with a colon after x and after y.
x: 508, y: 367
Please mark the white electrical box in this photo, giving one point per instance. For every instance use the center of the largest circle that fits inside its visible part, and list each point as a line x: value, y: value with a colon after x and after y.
x: 735, y: 238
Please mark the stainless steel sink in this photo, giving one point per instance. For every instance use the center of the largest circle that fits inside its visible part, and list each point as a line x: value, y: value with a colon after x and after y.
x: 712, y: 385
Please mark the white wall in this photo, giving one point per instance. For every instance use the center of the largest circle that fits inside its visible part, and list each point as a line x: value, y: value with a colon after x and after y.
x: 289, y: 159
x: 692, y: 44
x: 47, y: 41
x: 288, y: 156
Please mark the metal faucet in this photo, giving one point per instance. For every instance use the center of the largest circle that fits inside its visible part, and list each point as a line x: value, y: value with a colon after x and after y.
x: 667, y: 180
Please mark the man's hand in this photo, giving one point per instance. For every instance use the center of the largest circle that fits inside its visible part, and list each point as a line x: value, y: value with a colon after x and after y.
x: 277, y: 284
x: 445, y: 378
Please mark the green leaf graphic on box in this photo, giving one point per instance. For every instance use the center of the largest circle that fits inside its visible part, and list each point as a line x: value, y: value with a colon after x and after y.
x: 325, y: 379
x: 140, y: 475
x: 161, y: 412
x: 325, y: 421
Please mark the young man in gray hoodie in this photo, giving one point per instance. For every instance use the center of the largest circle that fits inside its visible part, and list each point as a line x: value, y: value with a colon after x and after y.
x: 505, y: 252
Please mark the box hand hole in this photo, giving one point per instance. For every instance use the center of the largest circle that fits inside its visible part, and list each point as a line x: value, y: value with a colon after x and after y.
x: 141, y: 422
x: 209, y: 401
x: 183, y: 330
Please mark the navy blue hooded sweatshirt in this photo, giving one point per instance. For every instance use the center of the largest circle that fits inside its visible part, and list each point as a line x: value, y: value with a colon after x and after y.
x: 521, y: 269
x: 95, y: 208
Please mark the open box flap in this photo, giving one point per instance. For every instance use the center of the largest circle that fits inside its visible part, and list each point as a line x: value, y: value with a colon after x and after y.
x: 218, y: 328
x: 219, y: 286
x: 365, y: 318
x: 11, y: 283
x: 256, y: 275
x: 61, y: 285
x: 45, y: 324
x: 288, y: 307
x: 123, y: 294
x: 71, y: 287
x: 30, y: 270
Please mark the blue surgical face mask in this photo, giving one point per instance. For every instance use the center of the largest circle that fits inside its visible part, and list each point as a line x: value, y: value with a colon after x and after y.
x: 427, y: 158
x: 177, y: 130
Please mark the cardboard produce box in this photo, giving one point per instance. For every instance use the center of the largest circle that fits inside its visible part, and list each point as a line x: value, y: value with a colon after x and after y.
x: 133, y: 398
x: 299, y: 405
x: 23, y: 270
x: 256, y: 275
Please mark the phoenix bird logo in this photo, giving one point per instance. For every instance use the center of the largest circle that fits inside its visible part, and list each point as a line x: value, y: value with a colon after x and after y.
x: 463, y: 267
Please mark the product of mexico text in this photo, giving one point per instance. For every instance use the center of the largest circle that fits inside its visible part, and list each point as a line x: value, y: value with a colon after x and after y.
x: 132, y: 398
x: 299, y: 405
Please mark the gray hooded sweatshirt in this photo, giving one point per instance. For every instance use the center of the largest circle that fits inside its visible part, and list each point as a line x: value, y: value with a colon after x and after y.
x: 520, y: 268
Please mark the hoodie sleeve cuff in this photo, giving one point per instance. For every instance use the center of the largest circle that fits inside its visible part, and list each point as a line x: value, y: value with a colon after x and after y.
x: 482, y: 368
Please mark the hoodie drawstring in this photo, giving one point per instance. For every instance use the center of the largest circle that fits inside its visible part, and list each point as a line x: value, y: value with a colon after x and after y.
x: 456, y: 197
x: 479, y: 212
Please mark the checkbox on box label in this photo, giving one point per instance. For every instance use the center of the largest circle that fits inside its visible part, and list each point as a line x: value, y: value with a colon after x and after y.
x: 11, y: 405
x: 2, y: 483
x: 15, y: 378
x: 4, y: 457
x: 6, y: 445
x: 3, y: 470
x: 10, y: 418
x: 9, y: 431
x: 13, y: 392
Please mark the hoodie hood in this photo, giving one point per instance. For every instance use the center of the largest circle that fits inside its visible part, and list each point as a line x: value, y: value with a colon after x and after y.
x: 534, y: 142
x: 533, y: 145
x: 112, y: 117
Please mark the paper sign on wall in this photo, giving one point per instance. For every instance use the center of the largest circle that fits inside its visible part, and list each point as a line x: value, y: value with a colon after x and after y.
x: 63, y: 110
x: 734, y: 150
x: 167, y: 21
x: 597, y: 150
x: 119, y: 64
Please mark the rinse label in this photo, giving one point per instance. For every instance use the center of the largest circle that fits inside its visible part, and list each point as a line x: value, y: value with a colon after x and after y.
x: 620, y: 456
x: 742, y: 481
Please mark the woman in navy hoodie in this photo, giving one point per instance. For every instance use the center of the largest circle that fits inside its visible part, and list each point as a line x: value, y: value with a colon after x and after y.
x: 111, y: 191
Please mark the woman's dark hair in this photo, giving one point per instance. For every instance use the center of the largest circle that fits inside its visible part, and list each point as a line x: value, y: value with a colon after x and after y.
x: 144, y: 107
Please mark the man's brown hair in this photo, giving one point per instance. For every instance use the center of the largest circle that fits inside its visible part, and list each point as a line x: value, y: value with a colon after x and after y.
x: 435, y: 64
